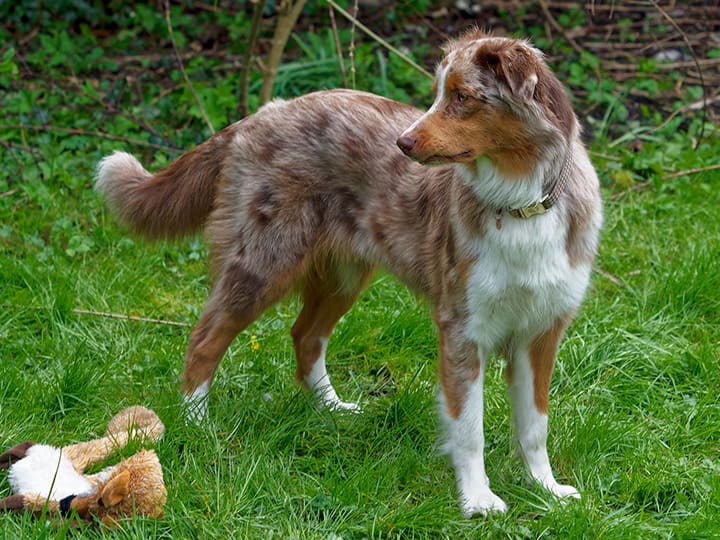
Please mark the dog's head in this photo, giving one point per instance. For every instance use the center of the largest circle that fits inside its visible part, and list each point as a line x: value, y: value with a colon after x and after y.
x: 494, y: 97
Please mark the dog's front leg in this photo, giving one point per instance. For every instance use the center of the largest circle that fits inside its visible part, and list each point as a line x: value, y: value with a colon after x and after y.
x: 529, y: 374
x: 462, y: 370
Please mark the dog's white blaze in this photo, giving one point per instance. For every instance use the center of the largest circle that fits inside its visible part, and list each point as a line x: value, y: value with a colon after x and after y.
x: 439, y: 98
x: 197, y: 403
x: 318, y: 381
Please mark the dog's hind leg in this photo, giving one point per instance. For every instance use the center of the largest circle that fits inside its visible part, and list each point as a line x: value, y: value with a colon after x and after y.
x: 325, y: 299
x: 238, y: 297
x: 208, y: 342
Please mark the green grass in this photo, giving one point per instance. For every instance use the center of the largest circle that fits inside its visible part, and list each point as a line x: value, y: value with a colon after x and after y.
x: 635, y: 404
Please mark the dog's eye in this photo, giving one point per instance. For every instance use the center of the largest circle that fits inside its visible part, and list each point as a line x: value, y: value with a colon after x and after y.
x: 460, y: 98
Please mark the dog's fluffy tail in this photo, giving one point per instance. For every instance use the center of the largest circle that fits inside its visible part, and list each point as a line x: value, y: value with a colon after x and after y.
x: 169, y: 204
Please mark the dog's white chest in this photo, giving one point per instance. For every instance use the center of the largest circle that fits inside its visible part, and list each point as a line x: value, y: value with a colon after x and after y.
x: 522, y: 281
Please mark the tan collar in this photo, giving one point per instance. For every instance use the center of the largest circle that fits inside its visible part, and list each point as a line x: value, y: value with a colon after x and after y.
x: 552, y: 191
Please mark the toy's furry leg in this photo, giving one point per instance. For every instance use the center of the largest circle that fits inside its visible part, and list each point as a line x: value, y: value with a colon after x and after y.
x: 84, y: 454
x: 138, y: 422
x: 12, y: 503
x: 15, y: 453
x: 130, y: 423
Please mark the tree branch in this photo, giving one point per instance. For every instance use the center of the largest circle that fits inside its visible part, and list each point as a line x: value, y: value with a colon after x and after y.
x: 288, y: 13
x: 338, y: 47
x: 258, y: 8
x: 77, y: 131
x: 129, y: 317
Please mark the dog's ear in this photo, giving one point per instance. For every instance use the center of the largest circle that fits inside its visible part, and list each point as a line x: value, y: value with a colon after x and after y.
x: 116, y: 489
x: 515, y: 65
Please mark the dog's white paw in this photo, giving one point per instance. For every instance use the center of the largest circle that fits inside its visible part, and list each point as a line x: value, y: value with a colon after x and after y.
x: 564, y: 491
x: 327, y: 398
x: 196, y: 412
x: 338, y: 405
x: 482, y: 503
x: 196, y: 405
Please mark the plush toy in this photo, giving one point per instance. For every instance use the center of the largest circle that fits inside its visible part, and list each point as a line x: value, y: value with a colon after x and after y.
x: 51, y: 480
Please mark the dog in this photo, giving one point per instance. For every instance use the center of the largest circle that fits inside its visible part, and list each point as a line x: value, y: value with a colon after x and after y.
x: 486, y: 204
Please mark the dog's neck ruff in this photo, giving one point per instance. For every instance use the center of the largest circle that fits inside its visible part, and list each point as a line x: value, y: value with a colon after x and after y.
x: 551, y: 193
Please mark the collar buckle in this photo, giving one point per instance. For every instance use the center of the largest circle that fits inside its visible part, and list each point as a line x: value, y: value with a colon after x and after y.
x: 530, y: 211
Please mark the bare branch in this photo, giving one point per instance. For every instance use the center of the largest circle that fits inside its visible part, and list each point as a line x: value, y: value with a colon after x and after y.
x: 182, y: 67
x: 338, y: 48
x: 380, y: 40
x: 697, y: 65
x: 288, y: 13
x: 258, y: 8
x: 692, y: 171
x: 77, y: 131
x: 129, y: 317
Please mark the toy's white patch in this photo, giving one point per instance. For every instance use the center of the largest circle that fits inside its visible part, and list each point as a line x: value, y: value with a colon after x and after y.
x: 196, y: 404
x: 318, y: 381
x: 46, y: 471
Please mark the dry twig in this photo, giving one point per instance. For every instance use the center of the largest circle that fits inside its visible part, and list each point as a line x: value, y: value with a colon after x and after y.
x: 9, y: 193
x: 182, y: 67
x: 697, y: 65
x: 338, y: 47
x: 129, y: 317
x: 78, y: 131
x: 380, y: 40
x: 609, y: 277
x: 258, y: 8
x: 556, y: 25
x: 351, y: 50
x: 691, y: 171
x: 636, y: 187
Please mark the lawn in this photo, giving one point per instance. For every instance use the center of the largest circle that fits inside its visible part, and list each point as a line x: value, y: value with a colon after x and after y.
x: 635, y: 400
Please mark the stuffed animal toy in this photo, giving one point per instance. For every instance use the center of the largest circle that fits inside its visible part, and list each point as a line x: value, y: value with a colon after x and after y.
x: 47, y: 479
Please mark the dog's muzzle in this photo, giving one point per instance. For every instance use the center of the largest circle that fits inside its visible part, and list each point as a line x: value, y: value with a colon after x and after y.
x: 406, y: 143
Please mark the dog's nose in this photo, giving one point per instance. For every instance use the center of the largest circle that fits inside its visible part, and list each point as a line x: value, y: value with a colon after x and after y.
x: 406, y: 143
